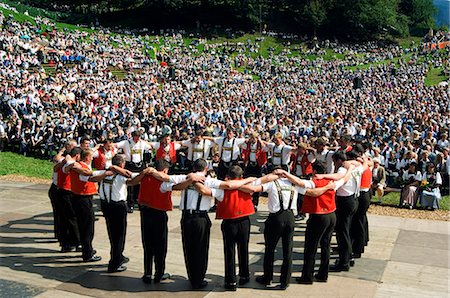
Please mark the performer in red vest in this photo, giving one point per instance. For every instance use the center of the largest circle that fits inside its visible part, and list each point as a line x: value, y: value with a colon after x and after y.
x: 154, y: 202
x: 302, y: 168
x: 320, y: 225
x: 254, y: 159
x: 166, y: 150
x: 83, y: 191
x: 102, y: 157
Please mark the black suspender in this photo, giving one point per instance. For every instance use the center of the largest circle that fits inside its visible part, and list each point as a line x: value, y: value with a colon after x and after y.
x: 232, y: 149
x: 203, y: 151
x: 280, y: 195
x: 110, y: 182
x: 199, y: 199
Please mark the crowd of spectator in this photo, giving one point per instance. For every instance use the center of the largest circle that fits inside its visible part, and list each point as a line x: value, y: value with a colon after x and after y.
x: 211, y: 86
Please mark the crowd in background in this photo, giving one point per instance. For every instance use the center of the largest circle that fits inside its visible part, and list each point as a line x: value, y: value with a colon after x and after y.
x: 388, y: 106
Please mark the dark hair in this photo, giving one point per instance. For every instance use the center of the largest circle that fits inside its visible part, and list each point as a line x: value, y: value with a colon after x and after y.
x: 352, y: 155
x: 162, y: 164
x: 136, y: 133
x: 340, y: 155
x: 118, y: 159
x: 320, y: 167
x: 75, y: 151
x: 199, y: 165
x: 359, y: 149
x: 85, y: 138
x: 235, y: 172
x: 272, y: 168
x: 199, y: 132
x: 346, y: 138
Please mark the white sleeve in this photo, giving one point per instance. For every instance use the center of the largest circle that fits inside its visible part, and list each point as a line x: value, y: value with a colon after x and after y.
x: 301, y: 190
x: 268, y: 147
x: 155, y: 145
x: 85, y: 178
x: 121, y: 144
x: 64, y: 169
x: 133, y: 175
x: 213, y: 182
x: 175, y: 179
x: 177, y: 146
x: 342, y: 170
x: 240, y: 141
x: 288, y: 147
x: 186, y: 142
x: 438, y: 178
x: 311, y: 157
x: 217, y: 194
x: 338, y: 184
x: 95, y: 154
x: 308, y: 184
x: 166, y: 186
x: 266, y: 186
x: 146, y: 146
x: 418, y: 176
x: 257, y: 182
x: 219, y: 140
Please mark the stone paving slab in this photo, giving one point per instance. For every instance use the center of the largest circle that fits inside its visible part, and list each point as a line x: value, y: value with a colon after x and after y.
x: 405, y: 258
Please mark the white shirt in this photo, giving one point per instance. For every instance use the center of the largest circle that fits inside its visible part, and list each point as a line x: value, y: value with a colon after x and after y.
x: 352, y: 187
x: 192, y: 195
x: 108, y: 156
x: 417, y: 176
x: 281, y: 155
x: 287, y: 187
x: 298, y: 168
x: 253, y: 149
x: 198, y: 150
x: 326, y: 156
x: 133, y: 151
x: 113, y: 188
x: 156, y: 146
x: 230, y: 150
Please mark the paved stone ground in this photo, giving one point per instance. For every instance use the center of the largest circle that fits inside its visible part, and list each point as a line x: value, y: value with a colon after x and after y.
x: 405, y: 258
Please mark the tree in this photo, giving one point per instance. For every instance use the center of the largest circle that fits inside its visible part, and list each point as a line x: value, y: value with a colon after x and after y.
x: 419, y: 12
x: 315, y: 13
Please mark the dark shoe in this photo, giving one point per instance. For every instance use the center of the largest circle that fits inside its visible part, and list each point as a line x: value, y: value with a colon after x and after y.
x: 262, y: 280
x: 130, y: 210
x: 158, y: 279
x: 94, y: 258
x: 351, y: 262
x: 339, y: 268
x: 256, y: 208
x: 147, y: 279
x: 68, y: 248
x: 299, y: 217
x: 213, y: 208
x: 317, y: 278
x: 303, y: 281
x: 244, y: 280
x: 118, y: 269
x: 356, y: 256
x: 230, y: 286
x: 125, y: 260
x: 202, y: 285
x: 79, y: 248
x: 283, y: 286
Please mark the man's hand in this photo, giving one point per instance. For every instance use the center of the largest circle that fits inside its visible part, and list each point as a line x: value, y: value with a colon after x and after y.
x: 109, y: 173
x: 149, y: 171
x: 196, y: 178
x: 331, y: 185
x: 279, y: 172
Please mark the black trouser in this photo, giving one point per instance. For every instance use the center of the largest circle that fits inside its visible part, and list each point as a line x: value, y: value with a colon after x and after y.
x: 319, y: 229
x: 345, y: 208
x: 223, y: 169
x: 300, y: 199
x: 195, y: 231
x: 133, y: 191
x: 116, y: 223
x: 279, y: 225
x: 154, y: 233
x: 236, y: 232
x: 359, y: 230
x: 69, y: 234
x: 82, y: 206
x: 253, y: 170
x: 53, y: 196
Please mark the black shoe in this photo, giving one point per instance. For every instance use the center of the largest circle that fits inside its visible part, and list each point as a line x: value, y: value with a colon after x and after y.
x: 303, y: 281
x: 299, y: 217
x: 79, y: 248
x: 244, y: 280
x: 351, y: 262
x: 356, y: 256
x: 283, y: 287
x: 317, y: 278
x: 213, y: 208
x: 121, y: 268
x: 130, y: 210
x: 339, y: 268
x: 230, y: 286
x: 147, y: 279
x: 202, y: 285
x: 256, y: 208
x: 262, y: 280
x: 125, y: 260
x: 94, y: 258
x: 158, y: 279
x: 68, y: 248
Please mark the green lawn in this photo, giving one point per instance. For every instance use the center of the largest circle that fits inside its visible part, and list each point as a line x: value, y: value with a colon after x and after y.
x: 393, y: 199
x: 434, y: 77
x: 12, y: 163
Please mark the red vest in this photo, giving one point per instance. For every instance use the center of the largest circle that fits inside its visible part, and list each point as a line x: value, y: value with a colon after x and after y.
x: 100, y: 161
x: 323, y: 204
x: 63, y: 181
x: 366, y: 178
x: 261, y: 156
x: 235, y: 204
x: 161, y: 153
x: 80, y: 187
x: 151, y: 196
x: 305, y: 164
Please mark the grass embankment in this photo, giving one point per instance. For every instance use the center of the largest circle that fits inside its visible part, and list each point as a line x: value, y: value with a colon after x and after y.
x: 16, y: 164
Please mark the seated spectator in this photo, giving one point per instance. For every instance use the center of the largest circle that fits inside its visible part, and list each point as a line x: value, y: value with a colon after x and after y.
x: 411, y: 181
x: 431, y: 193
x: 378, y: 179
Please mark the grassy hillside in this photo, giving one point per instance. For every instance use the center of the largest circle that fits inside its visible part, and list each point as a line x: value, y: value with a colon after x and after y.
x: 16, y: 164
